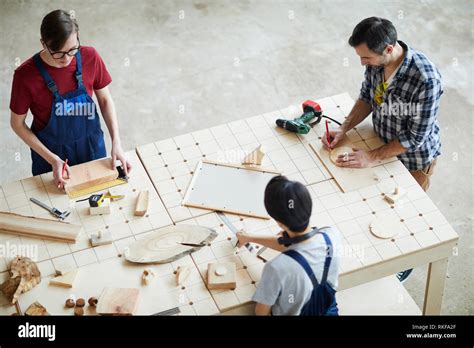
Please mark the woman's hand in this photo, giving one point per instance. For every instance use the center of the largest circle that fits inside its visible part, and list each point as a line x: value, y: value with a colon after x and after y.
x: 117, y: 154
x: 58, y: 164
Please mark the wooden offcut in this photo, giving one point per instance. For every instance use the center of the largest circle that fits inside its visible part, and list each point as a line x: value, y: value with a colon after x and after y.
x: 255, y: 157
x: 90, y: 174
x: 38, y: 227
x: 66, y: 280
x: 347, y: 179
x: 118, y: 301
x: 142, y: 203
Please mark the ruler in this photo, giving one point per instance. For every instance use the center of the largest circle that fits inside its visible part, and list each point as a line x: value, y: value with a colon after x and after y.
x: 231, y: 227
x: 100, y: 187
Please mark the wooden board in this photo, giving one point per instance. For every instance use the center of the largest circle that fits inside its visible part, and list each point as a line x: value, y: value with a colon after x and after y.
x: 118, y: 301
x: 348, y: 179
x: 38, y: 227
x: 163, y: 245
x: 229, y: 188
x: 90, y: 174
x: 142, y: 203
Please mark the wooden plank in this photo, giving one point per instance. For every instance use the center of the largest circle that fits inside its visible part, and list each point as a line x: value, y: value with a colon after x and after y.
x: 38, y: 227
x: 348, y: 179
x: 163, y: 245
x: 118, y: 301
x: 229, y: 188
x: 90, y: 174
x: 142, y: 203
x: 435, y: 287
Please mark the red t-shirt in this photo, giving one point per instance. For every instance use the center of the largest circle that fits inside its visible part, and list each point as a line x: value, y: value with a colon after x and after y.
x: 29, y: 90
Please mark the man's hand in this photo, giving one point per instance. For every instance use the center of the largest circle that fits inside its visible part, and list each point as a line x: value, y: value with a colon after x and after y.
x: 117, y: 154
x: 336, y: 136
x: 356, y: 159
x: 57, y: 164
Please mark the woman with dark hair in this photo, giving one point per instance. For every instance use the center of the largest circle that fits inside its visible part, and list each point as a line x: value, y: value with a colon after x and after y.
x: 302, y: 280
x: 57, y: 85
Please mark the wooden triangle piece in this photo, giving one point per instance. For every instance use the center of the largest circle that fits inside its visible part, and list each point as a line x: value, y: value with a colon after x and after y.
x: 254, y: 157
x: 66, y: 280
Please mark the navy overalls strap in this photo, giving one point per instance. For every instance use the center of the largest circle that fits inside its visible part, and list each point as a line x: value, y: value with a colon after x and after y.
x: 303, y: 263
x: 327, y: 262
x: 79, y: 69
x: 46, y: 77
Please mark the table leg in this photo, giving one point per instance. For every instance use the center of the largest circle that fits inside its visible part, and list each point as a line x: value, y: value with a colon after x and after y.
x: 435, y: 287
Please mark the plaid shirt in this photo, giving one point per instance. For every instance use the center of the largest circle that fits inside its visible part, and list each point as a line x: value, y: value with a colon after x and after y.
x: 408, y: 110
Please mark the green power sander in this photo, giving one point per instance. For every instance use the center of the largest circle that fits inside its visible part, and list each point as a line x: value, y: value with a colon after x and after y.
x: 304, y: 123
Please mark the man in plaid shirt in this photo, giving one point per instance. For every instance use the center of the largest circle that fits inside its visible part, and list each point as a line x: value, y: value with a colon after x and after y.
x: 402, y: 89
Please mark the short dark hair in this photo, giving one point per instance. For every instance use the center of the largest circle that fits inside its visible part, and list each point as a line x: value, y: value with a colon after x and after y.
x: 56, y: 28
x: 289, y: 203
x: 376, y: 32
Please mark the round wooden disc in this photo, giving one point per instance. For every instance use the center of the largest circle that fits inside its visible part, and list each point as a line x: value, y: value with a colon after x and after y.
x: 220, y: 270
x: 386, y: 227
x: 335, y: 153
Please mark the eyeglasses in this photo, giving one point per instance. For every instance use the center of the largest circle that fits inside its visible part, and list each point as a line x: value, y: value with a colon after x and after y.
x: 60, y: 54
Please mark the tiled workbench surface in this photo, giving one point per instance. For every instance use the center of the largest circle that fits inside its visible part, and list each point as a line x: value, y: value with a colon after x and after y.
x: 426, y: 238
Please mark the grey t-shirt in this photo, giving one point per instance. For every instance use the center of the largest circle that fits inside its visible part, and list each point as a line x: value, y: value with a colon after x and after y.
x: 284, y: 284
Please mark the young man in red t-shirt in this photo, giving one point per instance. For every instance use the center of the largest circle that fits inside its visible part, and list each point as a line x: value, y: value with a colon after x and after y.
x: 57, y: 85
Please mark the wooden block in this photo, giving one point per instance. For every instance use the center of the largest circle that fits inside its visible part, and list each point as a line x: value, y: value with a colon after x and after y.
x: 90, y: 174
x: 66, y: 280
x: 36, y: 309
x: 103, y: 209
x: 142, y: 203
x: 118, y: 301
x: 221, y: 276
x: 254, y: 157
x: 347, y: 178
x: 101, y: 238
x: 392, y: 198
x: 39, y: 228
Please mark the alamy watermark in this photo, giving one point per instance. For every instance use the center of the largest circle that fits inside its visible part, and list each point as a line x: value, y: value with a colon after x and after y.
x: 66, y: 108
x: 400, y: 109
x: 9, y: 250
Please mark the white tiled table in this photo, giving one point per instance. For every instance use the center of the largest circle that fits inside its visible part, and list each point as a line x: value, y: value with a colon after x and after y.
x: 168, y: 166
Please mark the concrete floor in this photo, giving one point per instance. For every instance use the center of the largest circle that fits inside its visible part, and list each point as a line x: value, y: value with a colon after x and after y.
x: 226, y: 60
